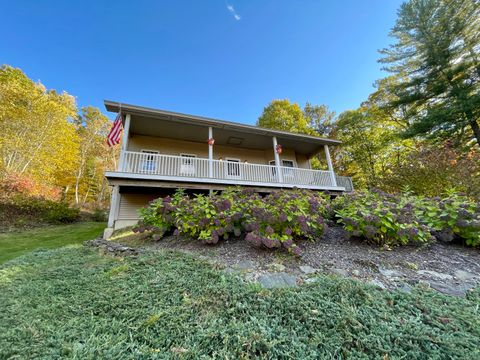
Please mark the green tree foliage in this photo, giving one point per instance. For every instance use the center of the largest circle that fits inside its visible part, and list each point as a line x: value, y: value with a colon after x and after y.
x: 436, y: 58
x: 319, y: 118
x: 283, y: 115
x: 371, y: 150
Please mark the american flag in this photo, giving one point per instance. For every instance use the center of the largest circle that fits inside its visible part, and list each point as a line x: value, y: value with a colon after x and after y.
x: 113, y: 137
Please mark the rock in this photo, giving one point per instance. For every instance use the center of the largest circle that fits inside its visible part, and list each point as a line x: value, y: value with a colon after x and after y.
x: 451, y: 289
x: 277, y: 280
x: 389, y: 273
x: 111, y: 247
x: 340, y: 272
x: 306, y: 269
x: 356, y: 272
x: 403, y: 287
x: 377, y: 283
x: 251, y: 277
x: 245, y: 264
x: 311, y: 280
x: 463, y: 275
x: 276, y: 267
x: 435, y: 274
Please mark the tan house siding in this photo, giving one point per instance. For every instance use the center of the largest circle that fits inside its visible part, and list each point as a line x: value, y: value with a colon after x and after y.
x: 131, y: 203
x: 177, y: 147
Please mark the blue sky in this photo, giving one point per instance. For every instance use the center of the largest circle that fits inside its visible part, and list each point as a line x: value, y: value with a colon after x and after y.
x: 213, y: 58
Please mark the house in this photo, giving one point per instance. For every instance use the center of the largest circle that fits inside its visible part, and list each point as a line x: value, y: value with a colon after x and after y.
x: 163, y: 150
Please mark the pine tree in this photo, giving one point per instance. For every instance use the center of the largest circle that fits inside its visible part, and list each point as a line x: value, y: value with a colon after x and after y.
x: 437, y: 53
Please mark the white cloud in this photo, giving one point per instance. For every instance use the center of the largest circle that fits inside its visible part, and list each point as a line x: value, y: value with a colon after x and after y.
x: 233, y: 12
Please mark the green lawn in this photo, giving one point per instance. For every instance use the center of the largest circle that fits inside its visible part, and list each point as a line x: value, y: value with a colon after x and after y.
x: 18, y: 243
x: 74, y: 303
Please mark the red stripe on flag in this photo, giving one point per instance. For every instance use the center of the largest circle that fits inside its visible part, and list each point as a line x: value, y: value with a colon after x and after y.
x: 113, y: 137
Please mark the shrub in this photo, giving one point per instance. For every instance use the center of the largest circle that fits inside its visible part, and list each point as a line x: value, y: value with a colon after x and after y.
x: 19, y: 210
x: 451, y: 217
x: 60, y: 213
x: 381, y: 218
x: 275, y: 221
x: 407, y: 219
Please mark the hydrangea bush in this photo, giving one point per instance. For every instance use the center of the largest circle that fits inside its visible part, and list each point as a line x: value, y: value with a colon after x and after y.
x: 381, y: 218
x: 277, y: 220
x: 406, y: 219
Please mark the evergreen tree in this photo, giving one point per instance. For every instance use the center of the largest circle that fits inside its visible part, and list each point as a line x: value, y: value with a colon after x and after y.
x: 436, y: 57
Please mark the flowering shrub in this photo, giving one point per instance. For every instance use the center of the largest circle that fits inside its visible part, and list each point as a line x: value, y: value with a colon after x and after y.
x: 382, y: 218
x: 275, y: 221
x: 406, y: 219
x: 454, y: 216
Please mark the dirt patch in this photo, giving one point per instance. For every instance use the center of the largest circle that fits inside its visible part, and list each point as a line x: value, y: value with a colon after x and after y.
x: 449, y: 268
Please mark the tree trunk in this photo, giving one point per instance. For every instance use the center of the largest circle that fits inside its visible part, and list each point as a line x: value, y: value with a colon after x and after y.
x: 476, y: 130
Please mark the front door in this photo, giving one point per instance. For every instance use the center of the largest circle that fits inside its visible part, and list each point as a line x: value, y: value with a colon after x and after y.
x: 232, y: 169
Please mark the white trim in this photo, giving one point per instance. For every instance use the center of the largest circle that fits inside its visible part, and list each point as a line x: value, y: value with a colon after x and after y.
x: 114, y: 206
x: 210, y: 153
x: 116, y: 174
x: 330, y: 166
x: 277, y: 159
x: 125, y: 135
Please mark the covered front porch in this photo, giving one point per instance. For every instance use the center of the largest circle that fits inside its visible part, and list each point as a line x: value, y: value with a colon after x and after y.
x: 166, y: 146
x: 148, y: 166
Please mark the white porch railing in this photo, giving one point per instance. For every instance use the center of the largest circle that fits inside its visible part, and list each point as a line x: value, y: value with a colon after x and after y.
x: 231, y: 172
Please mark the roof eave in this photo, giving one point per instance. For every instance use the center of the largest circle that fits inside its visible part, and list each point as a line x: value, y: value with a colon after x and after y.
x: 114, y: 106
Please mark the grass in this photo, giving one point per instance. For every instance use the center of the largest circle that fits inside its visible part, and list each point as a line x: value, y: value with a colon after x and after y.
x: 75, y: 303
x: 14, y: 244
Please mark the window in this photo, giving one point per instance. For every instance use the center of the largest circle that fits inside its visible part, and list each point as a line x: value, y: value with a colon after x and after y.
x: 187, y: 159
x: 285, y: 164
x: 288, y: 164
x: 187, y: 166
x: 233, y: 168
x: 148, y: 161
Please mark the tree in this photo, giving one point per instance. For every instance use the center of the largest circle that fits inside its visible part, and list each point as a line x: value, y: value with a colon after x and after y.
x: 283, y: 115
x: 94, y: 155
x: 37, y: 136
x: 319, y: 118
x: 436, y: 58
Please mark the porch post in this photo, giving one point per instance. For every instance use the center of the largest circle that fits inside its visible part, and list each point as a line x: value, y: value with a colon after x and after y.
x: 112, y: 215
x: 126, y: 133
x: 277, y: 160
x: 330, y: 166
x: 210, y: 153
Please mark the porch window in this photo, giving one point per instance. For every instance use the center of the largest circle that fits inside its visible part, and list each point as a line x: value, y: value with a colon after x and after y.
x: 285, y: 163
x: 187, y: 166
x: 288, y: 164
x: 149, y: 164
x: 233, y: 168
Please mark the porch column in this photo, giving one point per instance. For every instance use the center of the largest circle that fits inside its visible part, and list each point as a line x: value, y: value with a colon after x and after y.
x: 112, y: 215
x: 330, y: 166
x: 210, y: 153
x: 277, y: 160
x: 126, y: 133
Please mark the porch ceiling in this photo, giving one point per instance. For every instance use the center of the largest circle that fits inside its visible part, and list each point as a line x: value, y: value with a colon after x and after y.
x: 152, y: 122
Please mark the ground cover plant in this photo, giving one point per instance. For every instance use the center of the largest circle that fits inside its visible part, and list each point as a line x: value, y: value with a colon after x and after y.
x: 277, y: 220
x: 75, y: 303
x: 17, y: 243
